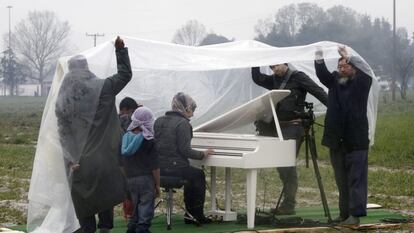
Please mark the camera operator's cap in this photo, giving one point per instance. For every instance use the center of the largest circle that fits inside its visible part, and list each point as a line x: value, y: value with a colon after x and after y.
x: 286, y: 64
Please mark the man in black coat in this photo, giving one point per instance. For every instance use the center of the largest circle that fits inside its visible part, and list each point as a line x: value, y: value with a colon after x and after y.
x: 288, y: 111
x: 346, y: 132
x: 90, y: 133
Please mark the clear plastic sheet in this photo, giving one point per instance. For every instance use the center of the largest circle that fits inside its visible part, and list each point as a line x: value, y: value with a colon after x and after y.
x: 218, y: 77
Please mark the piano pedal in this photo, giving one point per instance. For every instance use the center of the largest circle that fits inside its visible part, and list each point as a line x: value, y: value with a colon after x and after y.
x: 219, y: 218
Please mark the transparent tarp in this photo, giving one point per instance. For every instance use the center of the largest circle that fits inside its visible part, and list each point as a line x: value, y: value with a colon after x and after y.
x: 218, y: 78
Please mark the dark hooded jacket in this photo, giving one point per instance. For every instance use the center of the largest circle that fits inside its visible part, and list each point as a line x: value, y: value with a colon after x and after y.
x: 173, y: 134
x: 346, y: 121
x: 99, y: 184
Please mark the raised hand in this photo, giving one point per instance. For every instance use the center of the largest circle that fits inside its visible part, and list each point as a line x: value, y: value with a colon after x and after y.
x: 119, y: 43
x: 318, y: 53
x: 342, y: 51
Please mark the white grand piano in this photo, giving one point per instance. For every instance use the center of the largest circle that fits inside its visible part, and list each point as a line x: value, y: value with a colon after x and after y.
x: 245, y: 151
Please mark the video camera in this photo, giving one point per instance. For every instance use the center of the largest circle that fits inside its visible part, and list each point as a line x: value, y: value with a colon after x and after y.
x: 307, y: 105
x: 307, y: 116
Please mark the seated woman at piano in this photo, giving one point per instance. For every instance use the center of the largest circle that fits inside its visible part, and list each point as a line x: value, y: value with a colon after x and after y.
x: 173, y: 134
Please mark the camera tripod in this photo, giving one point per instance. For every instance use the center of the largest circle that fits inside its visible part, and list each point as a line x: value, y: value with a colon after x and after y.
x: 308, y: 120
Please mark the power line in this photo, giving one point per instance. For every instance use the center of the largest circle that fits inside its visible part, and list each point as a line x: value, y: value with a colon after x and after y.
x: 94, y: 37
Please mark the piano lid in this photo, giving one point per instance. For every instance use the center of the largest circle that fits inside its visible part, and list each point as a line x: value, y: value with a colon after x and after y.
x: 256, y: 109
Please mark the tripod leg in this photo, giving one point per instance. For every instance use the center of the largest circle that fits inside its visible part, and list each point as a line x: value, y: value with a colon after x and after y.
x: 312, y: 147
x: 280, y: 198
x: 307, y: 150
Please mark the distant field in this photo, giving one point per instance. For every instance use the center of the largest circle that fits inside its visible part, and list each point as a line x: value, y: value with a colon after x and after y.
x: 19, y: 126
x: 391, y: 159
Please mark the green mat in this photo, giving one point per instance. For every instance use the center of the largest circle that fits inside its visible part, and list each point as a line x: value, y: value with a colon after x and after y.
x: 178, y: 226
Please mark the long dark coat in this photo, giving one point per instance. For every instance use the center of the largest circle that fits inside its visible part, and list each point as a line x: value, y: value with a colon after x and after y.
x: 99, y: 184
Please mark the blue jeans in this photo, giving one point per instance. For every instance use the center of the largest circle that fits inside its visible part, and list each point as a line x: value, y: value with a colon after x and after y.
x: 142, y: 189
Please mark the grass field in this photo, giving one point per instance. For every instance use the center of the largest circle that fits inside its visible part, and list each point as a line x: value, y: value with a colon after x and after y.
x: 391, y: 159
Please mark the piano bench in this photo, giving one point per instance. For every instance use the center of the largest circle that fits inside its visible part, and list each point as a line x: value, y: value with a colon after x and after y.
x: 168, y: 184
x: 172, y: 182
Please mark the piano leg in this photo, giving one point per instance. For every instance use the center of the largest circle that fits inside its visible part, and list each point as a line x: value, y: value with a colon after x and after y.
x: 227, y: 214
x: 228, y: 190
x: 213, y: 189
x: 251, y: 180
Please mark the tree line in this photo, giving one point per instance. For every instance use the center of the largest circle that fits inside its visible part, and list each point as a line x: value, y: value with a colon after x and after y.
x: 306, y: 23
x: 41, y: 38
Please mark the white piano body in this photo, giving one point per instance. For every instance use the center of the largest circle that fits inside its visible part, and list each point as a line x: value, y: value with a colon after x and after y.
x: 246, y: 151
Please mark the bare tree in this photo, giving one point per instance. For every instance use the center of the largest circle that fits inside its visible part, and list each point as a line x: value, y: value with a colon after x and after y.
x: 286, y: 26
x: 405, y: 60
x: 213, y: 38
x: 264, y: 27
x: 192, y: 34
x: 12, y: 72
x: 40, y: 40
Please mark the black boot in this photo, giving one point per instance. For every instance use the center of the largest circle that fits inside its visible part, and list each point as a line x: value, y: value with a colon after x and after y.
x: 204, y: 220
x: 198, y: 214
x: 188, y: 219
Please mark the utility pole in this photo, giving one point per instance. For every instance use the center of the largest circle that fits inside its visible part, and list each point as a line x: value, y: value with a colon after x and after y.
x: 94, y: 37
x: 393, y: 71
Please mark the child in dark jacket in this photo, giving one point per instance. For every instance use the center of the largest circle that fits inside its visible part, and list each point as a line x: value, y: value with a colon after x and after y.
x: 140, y: 163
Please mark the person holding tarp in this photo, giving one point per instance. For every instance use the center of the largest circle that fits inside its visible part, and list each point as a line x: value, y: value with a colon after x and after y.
x: 346, y: 131
x: 288, y: 111
x: 89, y: 132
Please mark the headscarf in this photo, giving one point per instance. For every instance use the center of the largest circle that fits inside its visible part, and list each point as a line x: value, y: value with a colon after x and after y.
x: 183, y: 103
x: 143, y: 118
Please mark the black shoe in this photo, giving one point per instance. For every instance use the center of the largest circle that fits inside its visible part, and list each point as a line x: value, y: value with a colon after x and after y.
x: 204, y: 220
x: 104, y: 230
x: 191, y: 220
x: 283, y: 211
x: 197, y: 221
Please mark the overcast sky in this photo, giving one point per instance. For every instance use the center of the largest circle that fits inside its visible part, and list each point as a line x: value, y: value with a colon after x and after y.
x: 159, y: 19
